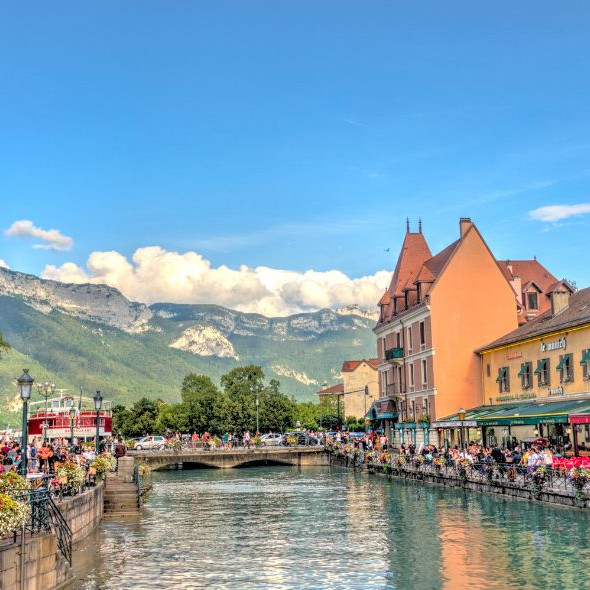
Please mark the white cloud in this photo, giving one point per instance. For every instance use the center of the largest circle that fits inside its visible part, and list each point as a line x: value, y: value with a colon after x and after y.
x: 3, y: 264
x: 157, y: 275
x: 52, y: 239
x: 559, y: 212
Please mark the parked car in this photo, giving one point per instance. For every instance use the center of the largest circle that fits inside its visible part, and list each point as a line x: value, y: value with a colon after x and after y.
x: 272, y: 439
x: 302, y: 439
x: 149, y: 443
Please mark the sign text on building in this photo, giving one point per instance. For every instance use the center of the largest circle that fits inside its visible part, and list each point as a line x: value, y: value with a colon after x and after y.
x: 555, y: 345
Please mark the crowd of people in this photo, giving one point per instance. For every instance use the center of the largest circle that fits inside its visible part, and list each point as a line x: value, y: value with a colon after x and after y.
x: 44, y: 457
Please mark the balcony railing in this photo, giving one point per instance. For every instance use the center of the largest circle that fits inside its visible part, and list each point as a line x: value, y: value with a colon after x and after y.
x: 397, y: 352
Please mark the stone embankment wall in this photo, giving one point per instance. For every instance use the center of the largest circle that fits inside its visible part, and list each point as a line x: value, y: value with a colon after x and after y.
x: 45, y: 566
x: 502, y: 487
x: 83, y: 513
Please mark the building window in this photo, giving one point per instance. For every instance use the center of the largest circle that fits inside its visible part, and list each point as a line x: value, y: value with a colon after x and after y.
x: 542, y: 373
x: 410, y: 339
x: 503, y: 379
x: 566, y: 368
x: 488, y: 370
x: 526, y: 375
x: 413, y: 409
x: 532, y: 301
x: 424, y: 374
x: 422, y: 336
x: 411, y: 374
x: 398, y: 342
x: 585, y: 362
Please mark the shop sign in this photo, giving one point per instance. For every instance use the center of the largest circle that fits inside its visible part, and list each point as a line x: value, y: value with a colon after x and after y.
x: 78, y: 432
x: 581, y: 419
x: 455, y: 424
x: 555, y: 391
x: 514, y: 354
x: 507, y: 398
x: 560, y: 344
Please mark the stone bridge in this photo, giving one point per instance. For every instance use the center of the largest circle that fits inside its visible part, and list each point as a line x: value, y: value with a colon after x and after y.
x: 226, y: 459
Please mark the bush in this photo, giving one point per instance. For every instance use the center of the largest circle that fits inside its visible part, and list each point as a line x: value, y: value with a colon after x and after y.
x: 11, y: 482
x: 103, y: 465
x: 13, y: 514
x: 72, y: 476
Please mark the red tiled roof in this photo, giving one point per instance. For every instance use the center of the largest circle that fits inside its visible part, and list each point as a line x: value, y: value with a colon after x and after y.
x: 437, y: 263
x: 577, y: 313
x: 414, y: 252
x: 528, y: 270
x: 338, y: 388
x: 349, y: 366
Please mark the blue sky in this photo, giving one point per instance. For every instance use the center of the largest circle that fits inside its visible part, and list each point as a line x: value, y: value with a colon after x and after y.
x: 294, y: 135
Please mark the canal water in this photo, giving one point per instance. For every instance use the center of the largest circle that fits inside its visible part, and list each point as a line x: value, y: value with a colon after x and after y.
x: 287, y: 527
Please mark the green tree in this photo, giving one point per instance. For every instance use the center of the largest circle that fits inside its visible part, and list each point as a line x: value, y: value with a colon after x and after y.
x: 120, y: 415
x: 277, y: 411
x: 202, y: 404
x: 142, y: 418
x: 4, y: 346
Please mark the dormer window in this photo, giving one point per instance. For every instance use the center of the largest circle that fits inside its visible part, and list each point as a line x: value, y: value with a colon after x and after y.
x: 532, y: 300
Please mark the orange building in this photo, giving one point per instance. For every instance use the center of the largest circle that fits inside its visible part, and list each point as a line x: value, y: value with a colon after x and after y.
x: 435, y: 313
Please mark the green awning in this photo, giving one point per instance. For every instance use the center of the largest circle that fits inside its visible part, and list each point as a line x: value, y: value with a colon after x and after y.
x: 585, y: 357
x: 535, y: 413
x: 387, y: 416
x: 562, y: 362
x: 501, y: 374
x: 540, y: 366
x: 523, y: 369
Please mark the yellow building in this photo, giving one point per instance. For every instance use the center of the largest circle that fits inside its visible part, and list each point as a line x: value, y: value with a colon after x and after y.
x: 360, y: 386
x: 358, y: 390
x: 544, y: 365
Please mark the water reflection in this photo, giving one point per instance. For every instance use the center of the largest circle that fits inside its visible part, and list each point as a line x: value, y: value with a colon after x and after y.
x: 280, y: 527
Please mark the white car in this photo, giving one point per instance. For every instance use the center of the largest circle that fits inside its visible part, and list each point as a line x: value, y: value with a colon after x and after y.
x: 149, y: 443
x: 271, y: 440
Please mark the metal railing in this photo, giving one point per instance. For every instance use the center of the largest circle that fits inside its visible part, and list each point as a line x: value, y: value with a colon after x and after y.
x: 555, y: 480
x: 45, y: 517
x: 61, y: 528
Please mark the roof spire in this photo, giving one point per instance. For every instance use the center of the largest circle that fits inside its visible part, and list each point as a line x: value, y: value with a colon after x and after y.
x: 419, y: 225
x: 407, y: 225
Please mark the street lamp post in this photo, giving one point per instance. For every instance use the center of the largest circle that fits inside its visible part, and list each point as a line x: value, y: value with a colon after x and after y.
x: 44, y: 389
x: 461, y: 415
x: 25, y: 386
x: 97, y: 406
x: 252, y: 389
x: 72, y: 419
x: 366, y: 420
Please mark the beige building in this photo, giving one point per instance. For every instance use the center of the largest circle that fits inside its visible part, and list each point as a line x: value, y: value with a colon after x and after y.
x: 360, y: 380
x: 358, y: 390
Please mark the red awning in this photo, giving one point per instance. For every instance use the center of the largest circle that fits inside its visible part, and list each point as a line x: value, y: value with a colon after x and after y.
x: 579, y: 418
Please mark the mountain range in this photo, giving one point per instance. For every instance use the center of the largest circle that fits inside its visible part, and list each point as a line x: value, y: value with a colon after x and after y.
x: 88, y: 337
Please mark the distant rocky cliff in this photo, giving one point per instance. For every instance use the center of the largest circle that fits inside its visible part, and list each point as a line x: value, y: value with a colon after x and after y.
x: 97, y: 303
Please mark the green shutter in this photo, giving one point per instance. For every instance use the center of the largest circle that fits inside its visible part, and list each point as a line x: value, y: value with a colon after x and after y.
x: 585, y: 357
x: 501, y: 374
x: 561, y: 362
x: 540, y: 366
x: 523, y: 369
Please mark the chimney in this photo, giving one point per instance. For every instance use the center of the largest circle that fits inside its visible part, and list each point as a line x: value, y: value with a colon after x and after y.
x: 516, y: 283
x: 509, y: 265
x: 560, y: 299
x: 464, y: 225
